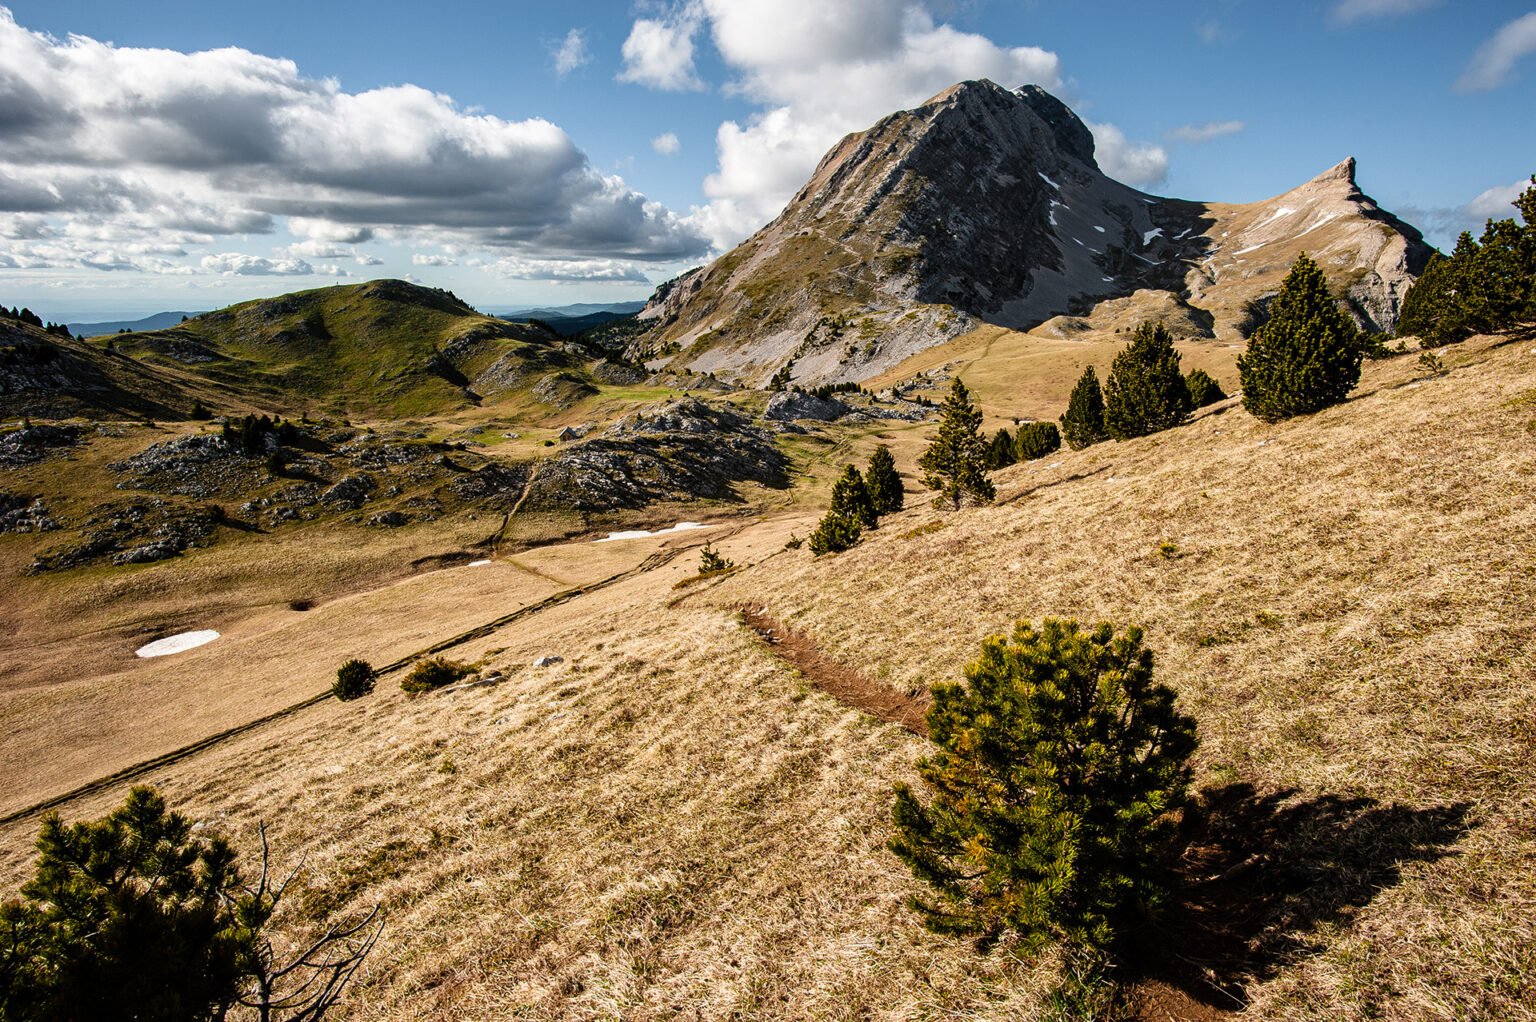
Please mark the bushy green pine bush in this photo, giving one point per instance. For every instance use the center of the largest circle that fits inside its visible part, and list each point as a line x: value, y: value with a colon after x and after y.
x: 1306, y: 357
x: 1050, y: 791
x: 1203, y: 389
x: 837, y: 531
x: 1082, y: 424
x: 850, y: 496
x: 354, y: 679
x: 1000, y: 451
x: 1145, y: 392
x: 1036, y: 440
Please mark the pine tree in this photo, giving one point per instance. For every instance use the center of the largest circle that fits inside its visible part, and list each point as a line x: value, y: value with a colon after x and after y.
x: 1306, y: 357
x: 1057, y: 766
x: 837, y: 531
x: 850, y: 496
x: 1145, y: 392
x: 1082, y: 424
x: 955, y: 462
x: 883, y: 483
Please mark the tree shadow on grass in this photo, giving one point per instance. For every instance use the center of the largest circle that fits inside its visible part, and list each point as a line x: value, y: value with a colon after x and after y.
x: 1259, y: 875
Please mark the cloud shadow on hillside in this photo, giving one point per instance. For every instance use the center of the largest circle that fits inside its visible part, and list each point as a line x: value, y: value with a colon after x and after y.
x: 1259, y: 875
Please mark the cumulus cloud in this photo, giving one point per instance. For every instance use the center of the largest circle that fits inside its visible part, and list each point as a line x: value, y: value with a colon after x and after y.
x: 567, y: 270
x: 228, y: 142
x: 658, y: 52
x: 1497, y: 202
x: 239, y: 264
x: 1346, y: 11
x: 364, y: 259
x: 666, y: 144
x: 1197, y: 133
x: 571, y: 53
x: 419, y: 259
x: 1135, y: 163
x: 819, y: 70
x: 1491, y: 65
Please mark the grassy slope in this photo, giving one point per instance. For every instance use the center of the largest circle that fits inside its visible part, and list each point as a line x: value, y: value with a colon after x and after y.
x: 668, y: 825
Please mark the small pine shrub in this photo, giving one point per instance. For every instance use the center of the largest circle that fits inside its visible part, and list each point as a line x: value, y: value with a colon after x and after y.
x: 793, y: 542
x: 955, y: 462
x: 1203, y: 389
x: 851, y: 496
x: 1036, y: 440
x: 434, y: 672
x: 1001, y: 452
x: 712, y: 563
x: 1431, y: 363
x: 1051, y: 790
x: 354, y: 679
x: 837, y: 531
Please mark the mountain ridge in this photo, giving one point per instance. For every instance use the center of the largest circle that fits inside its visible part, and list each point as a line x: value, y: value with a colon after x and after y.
x: 985, y: 205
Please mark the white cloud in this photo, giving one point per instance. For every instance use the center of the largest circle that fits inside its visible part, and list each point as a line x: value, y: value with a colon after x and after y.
x: 1497, y: 202
x: 567, y: 270
x: 364, y: 259
x: 571, y: 53
x: 666, y: 144
x: 155, y: 144
x: 659, y: 51
x: 1495, y: 59
x: 418, y: 259
x: 819, y: 70
x: 239, y: 264
x: 1346, y: 11
x: 1135, y: 163
x: 1197, y: 133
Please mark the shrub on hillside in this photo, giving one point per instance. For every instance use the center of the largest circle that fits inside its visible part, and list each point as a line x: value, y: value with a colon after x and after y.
x: 1057, y: 766
x: 1203, y: 389
x: 434, y: 672
x: 1146, y: 392
x: 1000, y: 451
x: 1082, y: 424
x: 837, y: 531
x: 712, y: 563
x: 1306, y: 357
x: 850, y: 496
x: 354, y: 679
x: 1036, y: 440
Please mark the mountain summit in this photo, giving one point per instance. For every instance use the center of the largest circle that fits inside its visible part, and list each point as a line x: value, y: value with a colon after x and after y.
x: 987, y: 205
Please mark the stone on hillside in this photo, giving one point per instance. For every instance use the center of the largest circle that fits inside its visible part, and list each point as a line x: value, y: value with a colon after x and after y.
x: 794, y: 404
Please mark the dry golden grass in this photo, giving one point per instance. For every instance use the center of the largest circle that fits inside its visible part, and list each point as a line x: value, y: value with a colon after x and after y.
x: 671, y: 824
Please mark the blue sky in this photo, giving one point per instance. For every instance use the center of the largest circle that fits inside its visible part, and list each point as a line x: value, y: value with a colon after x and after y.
x: 189, y: 155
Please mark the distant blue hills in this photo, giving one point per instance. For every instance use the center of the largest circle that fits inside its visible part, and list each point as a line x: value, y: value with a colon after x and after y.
x: 159, y: 321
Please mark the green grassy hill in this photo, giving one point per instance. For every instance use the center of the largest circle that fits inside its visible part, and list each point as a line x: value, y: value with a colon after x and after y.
x: 381, y: 348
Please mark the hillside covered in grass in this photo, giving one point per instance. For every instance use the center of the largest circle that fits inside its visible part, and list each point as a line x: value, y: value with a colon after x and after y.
x: 671, y: 822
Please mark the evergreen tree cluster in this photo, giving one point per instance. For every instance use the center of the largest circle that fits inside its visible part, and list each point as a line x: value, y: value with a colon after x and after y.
x: 249, y: 435
x: 1033, y: 440
x: 955, y: 462
x: 1483, y: 286
x: 1307, y: 356
x: 858, y: 502
x: 24, y: 315
x: 1051, y: 789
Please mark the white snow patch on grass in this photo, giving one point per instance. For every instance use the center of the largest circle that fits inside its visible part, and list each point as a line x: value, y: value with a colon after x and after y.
x: 1325, y: 218
x: 643, y: 534
x: 1048, y: 181
x: 477, y: 564
x: 177, y: 643
x: 1186, y: 232
x: 1250, y: 248
x: 1276, y: 215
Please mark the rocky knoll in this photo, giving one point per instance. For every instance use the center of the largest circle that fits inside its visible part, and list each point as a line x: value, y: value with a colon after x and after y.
x: 987, y: 205
x: 679, y: 451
